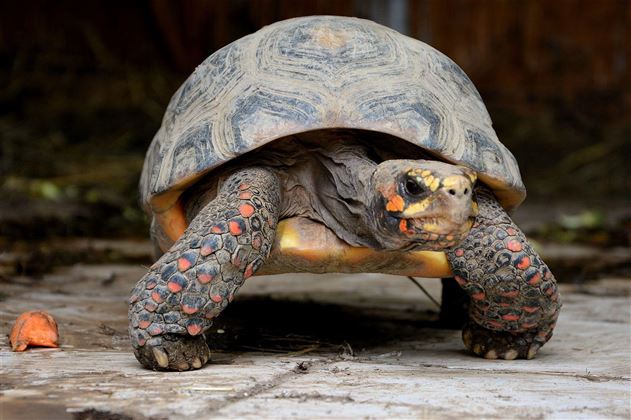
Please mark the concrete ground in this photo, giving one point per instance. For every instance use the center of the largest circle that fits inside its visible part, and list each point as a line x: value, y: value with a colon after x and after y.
x: 311, y: 346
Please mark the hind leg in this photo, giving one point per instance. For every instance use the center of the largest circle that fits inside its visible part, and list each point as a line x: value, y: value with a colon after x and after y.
x: 514, y: 298
x: 175, y: 302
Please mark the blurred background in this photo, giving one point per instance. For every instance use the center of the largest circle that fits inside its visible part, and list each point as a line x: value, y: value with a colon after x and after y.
x: 85, y: 85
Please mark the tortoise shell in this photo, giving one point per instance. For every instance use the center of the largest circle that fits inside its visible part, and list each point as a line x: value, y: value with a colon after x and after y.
x: 323, y: 72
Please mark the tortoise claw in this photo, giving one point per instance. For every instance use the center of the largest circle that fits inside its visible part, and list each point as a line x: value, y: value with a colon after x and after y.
x: 174, y: 352
x: 499, y: 344
x: 160, y: 356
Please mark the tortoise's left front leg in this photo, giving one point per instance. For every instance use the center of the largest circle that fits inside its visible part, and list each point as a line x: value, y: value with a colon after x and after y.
x: 514, y: 298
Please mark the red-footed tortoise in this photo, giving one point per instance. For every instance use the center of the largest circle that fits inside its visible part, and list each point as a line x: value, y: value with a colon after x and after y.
x: 332, y: 144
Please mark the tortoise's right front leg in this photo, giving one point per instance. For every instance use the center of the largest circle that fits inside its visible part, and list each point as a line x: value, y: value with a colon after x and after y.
x: 175, y: 302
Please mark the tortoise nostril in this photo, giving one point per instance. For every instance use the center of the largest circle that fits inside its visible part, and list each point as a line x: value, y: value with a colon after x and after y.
x: 452, y: 192
x: 466, y: 191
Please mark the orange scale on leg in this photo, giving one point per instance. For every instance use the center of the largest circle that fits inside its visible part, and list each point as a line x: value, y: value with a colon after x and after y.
x: 478, y: 296
x: 183, y: 264
x: 514, y: 245
x: 510, y: 317
x: 246, y: 210
x: 523, y: 263
x: 189, y: 309
x: 204, y: 278
x: 535, y: 279
x: 530, y: 309
x: 193, y: 328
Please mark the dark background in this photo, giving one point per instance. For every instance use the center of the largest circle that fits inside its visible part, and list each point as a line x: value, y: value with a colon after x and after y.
x: 85, y: 84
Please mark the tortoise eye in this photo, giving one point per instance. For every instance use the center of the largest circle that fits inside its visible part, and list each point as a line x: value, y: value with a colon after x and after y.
x: 412, y: 187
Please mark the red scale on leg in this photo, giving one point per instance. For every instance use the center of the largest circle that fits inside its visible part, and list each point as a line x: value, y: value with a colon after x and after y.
x: 219, y: 228
x: 194, y: 326
x: 204, y: 278
x: 189, y: 309
x: 191, y: 304
x: 495, y: 324
x: 523, y: 263
x: 236, y: 227
x: 155, y: 329
x: 534, y: 279
x: 511, y: 294
x: 210, y: 245
x: 514, y: 245
x: 246, y: 210
x: 156, y: 297
x: 183, y: 264
x: 174, y: 287
x: 186, y: 261
x: 510, y: 317
x: 478, y: 296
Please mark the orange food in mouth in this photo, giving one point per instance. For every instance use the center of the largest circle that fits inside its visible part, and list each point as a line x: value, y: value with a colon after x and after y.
x: 34, y: 329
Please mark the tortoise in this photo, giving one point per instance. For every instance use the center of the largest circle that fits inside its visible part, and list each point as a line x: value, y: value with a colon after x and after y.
x: 332, y: 144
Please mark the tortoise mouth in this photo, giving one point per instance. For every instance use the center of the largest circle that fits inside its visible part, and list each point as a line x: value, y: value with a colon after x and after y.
x: 435, y: 232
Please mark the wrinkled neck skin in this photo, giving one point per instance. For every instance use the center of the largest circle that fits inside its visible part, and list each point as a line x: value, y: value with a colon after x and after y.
x: 339, y: 193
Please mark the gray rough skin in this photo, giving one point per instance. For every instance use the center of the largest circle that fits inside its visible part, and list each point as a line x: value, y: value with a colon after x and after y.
x: 514, y: 298
x: 175, y: 302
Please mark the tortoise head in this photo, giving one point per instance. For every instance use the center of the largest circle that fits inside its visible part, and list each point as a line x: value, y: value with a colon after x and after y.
x: 421, y: 204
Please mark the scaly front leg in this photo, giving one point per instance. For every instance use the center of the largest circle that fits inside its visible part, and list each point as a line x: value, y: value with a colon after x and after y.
x: 175, y: 302
x: 514, y: 298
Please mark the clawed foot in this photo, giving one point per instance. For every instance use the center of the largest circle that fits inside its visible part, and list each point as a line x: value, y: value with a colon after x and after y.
x: 500, y: 344
x: 174, y: 352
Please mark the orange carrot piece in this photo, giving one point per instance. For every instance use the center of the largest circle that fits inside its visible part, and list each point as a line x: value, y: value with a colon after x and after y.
x: 34, y: 328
